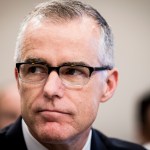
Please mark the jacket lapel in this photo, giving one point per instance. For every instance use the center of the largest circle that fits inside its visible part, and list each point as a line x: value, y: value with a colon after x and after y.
x: 96, y: 143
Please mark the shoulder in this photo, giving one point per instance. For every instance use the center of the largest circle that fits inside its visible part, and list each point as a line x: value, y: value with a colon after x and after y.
x: 113, y: 143
x: 3, y: 133
x: 12, y: 129
x: 11, y: 137
x: 4, y: 136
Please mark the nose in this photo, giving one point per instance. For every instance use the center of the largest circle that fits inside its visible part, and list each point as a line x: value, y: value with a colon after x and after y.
x: 53, y: 87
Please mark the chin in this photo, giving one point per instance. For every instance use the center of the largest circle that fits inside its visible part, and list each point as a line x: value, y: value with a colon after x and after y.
x: 56, y: 134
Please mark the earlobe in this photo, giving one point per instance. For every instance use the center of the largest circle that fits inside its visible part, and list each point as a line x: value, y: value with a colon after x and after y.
x: 110, y: 85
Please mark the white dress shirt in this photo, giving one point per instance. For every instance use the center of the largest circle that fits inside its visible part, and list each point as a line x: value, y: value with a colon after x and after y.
x: 33, y: 144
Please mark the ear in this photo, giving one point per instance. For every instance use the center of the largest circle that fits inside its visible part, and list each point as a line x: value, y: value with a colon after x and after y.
x: 110, y: 85
x: 16, y: 76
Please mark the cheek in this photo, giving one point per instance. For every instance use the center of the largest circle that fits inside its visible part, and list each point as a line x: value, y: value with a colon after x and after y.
x: 91, y: 102
x: 28, y: 95
x: 92, y: 97
x: 87, y: 104
x: 88, y: 108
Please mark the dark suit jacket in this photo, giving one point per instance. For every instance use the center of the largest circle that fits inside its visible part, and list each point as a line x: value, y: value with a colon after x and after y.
x: 11, y: 137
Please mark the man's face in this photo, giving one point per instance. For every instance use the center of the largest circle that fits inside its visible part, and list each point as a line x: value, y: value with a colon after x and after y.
x: 53, y: 111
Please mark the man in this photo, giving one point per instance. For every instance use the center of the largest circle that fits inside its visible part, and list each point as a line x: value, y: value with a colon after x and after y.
x: 143, y: 118
x: 9, y: 104
x: 64, y: 70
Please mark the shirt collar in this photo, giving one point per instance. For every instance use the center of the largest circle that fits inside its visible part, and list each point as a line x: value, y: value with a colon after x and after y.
x: 33, y: 144
x: 87, y: 145
x: 30, y: 141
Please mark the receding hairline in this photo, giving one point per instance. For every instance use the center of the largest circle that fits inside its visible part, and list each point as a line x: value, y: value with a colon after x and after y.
x: 65, y: 9
x: 71, y: 9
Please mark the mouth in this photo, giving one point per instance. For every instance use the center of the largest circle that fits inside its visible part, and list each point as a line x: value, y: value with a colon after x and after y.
x: 53, y: 115
x: 53, y: 111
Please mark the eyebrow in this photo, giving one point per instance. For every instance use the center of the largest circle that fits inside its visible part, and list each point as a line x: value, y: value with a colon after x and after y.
x: 40, y: 60
x: 75, y: 63
x: 36, y: 60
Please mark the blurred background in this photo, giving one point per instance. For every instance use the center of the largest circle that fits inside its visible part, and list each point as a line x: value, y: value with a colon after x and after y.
x: 130, y: 23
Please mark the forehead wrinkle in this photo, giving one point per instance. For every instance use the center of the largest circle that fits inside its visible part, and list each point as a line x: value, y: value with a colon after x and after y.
x: 81, y: 22
x: 29, y: 38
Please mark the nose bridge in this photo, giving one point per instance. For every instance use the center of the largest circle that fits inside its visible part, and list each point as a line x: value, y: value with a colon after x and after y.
x: 53, y: 86
x: 53, y: 77
x: 50, y: 69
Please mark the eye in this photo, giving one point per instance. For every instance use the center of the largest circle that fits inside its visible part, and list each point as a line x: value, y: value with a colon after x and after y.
x: 74, y: 71
x: 34, y: 69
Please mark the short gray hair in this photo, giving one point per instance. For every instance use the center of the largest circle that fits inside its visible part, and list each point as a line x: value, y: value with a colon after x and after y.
x: 66, y: 10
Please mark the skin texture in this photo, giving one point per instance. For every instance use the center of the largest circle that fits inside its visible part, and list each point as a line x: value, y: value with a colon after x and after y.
x: 9, y: 105
x: 56, y: 115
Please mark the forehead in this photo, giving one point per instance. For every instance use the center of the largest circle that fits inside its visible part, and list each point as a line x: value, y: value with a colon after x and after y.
x: 79, y: 37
